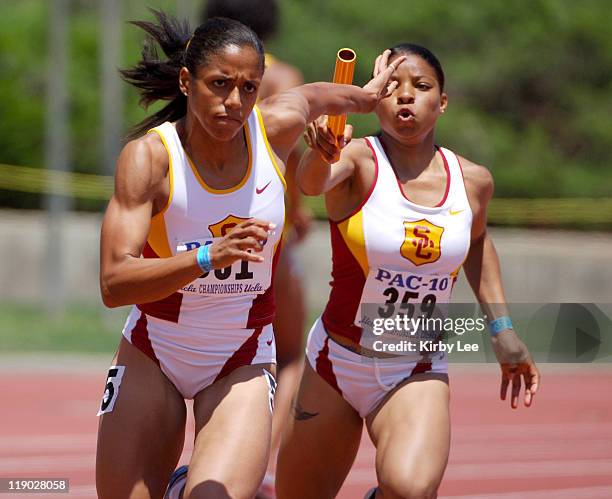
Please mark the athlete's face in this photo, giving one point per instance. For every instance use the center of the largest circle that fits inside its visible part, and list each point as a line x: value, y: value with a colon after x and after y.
x: 410, y: 113
x: 223, y: 92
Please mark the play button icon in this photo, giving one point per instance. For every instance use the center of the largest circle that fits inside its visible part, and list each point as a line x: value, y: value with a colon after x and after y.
x: 577, y: 334
x: 587, y: 344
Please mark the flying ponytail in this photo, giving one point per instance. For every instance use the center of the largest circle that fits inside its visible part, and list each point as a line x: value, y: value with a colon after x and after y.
x: 157, y: 79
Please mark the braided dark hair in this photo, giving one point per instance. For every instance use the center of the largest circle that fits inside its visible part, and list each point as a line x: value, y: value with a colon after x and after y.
x: 158, y: 79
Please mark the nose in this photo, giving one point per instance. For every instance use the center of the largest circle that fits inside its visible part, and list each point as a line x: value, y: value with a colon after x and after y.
x: 233, y: 99
x: 405, y: 94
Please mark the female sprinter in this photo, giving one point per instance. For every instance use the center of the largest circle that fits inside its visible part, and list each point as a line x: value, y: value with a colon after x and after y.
x: 398, y: 205
x: 191, y: 237
x: 263, y: 17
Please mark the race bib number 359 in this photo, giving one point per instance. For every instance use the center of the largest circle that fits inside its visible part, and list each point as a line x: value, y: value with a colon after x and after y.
x: 397, y: 292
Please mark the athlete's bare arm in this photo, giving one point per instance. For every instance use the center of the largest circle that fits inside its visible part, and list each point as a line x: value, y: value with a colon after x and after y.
x: 141, y: 191
x: 322, y: 167
x: 280, y: 77
x: 484, y: 275
x: 343, y: 173
x: 286, y: 114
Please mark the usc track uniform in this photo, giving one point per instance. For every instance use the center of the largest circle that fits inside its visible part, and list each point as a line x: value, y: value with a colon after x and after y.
x: 390, y: 250
x: 222, y: 320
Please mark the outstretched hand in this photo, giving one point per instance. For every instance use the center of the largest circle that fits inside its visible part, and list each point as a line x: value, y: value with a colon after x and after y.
x: 517, y: 367
x: 383, y: 70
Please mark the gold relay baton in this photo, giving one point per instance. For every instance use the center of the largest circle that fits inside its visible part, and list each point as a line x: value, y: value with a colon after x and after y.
x: 345, y: 68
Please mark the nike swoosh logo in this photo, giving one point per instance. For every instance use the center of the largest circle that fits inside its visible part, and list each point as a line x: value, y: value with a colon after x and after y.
x: 456, y: 212
x: 259, y: 191
x: 269, y: 342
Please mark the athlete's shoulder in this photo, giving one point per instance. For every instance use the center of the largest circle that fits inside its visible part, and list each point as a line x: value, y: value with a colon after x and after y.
x: 477, y: 178
x: 143, y: 164
x: 359, y: 150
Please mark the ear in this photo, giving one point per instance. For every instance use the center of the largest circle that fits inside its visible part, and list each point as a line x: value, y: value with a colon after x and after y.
x: 443, y: 102
x: 184, y: 80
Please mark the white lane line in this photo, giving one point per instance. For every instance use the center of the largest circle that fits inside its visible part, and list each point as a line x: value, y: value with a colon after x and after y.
x: 507, y: 451
x: 509, y: 470
x: 538, y: 450
x: 536, y: 469
x: 565, y: 430
x: 604, y: 492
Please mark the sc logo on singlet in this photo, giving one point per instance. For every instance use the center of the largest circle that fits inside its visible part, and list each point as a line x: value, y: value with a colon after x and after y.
x: 221, y: 228
x: 421, y: 242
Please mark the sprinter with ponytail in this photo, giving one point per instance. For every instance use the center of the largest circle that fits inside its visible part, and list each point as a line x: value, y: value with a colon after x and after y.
x: 190, y: 239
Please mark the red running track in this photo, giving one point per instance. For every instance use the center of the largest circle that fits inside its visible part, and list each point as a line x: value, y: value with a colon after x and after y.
x: 560, y: 448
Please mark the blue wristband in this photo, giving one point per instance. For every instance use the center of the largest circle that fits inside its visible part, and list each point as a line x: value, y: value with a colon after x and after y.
x: 203, y: 258
x: 500, y: 324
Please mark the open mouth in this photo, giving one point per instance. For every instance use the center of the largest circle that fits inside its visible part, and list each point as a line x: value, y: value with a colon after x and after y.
x: 405, y: 115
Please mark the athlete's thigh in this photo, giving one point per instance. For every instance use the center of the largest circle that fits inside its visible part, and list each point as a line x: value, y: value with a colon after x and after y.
x: 140, y: 440
x: 233, y: 425
x: 320, y: 441
x: 411, y: 432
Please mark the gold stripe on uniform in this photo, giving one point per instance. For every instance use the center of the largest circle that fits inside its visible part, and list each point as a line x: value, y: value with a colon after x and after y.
x: 158, y: 237
x: 351, y: 230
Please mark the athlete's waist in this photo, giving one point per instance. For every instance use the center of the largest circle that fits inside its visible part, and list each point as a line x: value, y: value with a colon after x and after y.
x: 353, y: 346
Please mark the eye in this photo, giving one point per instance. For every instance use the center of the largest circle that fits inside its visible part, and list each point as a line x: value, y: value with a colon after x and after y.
x: 249, y: 87
x: 219, y: 83
x: 423, y: 86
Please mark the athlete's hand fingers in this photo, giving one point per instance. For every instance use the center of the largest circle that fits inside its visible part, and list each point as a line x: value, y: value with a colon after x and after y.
x: 516, y: 390
x: 321, y: 122
x: 309, y: 135
x: 390, y: 88
x: 329, y: 157
x: 250, y: 243
x: 320, y: 138
x: 323, y: 132
x: 346, y: 138
x: 312, y: 132
x: 329, y: 146
x: 532, y: 382
x: 390, y: 69
x: 380, y: 82
x: 528, y: 395
x: 254, y: 231
x: 249, y: 256
x: 258, y: 222
x: 504, y: 386
x: 376, y: 66
x: 384, y: 60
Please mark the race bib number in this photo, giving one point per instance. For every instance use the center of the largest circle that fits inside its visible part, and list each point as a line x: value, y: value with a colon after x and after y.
x: 402, y: 298
x: 111, y: 390
x: 240, y: 278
